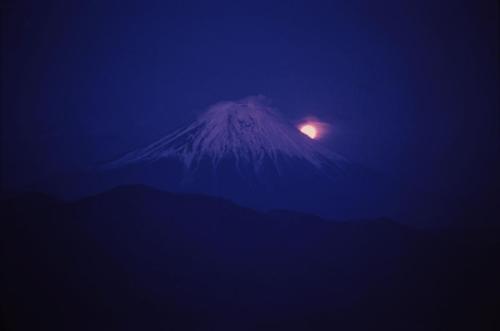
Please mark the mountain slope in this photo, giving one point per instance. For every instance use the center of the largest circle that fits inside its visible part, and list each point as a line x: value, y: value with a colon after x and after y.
x: 137, y: 258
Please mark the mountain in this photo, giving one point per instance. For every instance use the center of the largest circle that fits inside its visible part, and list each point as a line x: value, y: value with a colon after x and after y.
x: 139, y: 258
x: 248, y: 131
x: 247, y: 152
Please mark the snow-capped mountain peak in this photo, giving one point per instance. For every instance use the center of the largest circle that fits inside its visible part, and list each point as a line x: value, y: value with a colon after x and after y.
x: 248, y: 130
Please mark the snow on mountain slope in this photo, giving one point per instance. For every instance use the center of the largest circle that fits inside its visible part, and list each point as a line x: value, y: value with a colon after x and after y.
x: 247, y: 130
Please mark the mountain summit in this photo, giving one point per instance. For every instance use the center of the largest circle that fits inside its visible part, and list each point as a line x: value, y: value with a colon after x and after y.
x: 247, y: 131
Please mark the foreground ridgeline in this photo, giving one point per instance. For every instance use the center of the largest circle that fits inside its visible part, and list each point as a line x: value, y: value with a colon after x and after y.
x: 134, y: 258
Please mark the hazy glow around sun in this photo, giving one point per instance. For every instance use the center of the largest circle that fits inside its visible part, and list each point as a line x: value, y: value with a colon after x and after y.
x: 309, y: 130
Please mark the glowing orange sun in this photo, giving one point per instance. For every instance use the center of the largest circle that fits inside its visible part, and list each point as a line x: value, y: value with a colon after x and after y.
x: 309, y: 130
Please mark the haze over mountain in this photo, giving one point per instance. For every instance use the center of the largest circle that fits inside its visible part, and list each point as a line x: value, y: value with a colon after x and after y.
x: 301, y: 165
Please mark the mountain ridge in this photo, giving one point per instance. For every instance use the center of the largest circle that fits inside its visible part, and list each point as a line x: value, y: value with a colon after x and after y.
x: 172, y: 261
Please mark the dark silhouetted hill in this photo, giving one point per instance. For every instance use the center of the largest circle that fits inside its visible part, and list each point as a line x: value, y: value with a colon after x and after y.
x: 135, y: 258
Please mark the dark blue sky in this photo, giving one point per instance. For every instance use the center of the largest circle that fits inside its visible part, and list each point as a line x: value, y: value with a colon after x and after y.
x: 409, y: 87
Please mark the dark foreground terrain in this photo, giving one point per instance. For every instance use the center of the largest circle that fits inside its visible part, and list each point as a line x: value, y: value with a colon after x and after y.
x: 134, y: 258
